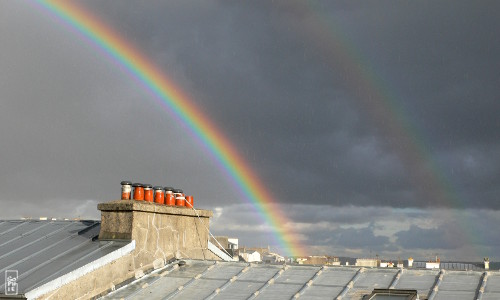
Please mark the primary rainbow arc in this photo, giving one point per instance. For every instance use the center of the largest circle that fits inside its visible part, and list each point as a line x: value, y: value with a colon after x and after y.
x: 140, y: 67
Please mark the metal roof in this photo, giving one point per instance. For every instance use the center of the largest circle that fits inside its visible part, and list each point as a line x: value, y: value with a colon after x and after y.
x: 236, y: 280
x: 41, y: 251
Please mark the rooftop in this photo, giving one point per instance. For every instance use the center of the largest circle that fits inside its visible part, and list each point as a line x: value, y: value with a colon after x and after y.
x: 145, y: 250
x: 197, y: 279
x: 41, y: 251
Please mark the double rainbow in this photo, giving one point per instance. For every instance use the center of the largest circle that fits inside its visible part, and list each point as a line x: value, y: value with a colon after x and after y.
x: 164, y: 89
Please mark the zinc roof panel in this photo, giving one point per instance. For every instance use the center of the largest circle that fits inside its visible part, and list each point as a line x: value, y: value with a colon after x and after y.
x: 491, y: 296
x: 335, y: 276
x: 260, y: 273
x: 322, y: 292
x: 280, y: 291
x: 41, y: 251
x: 298, y: 275
x: 493, y: 284
x: 456, y: 295
x: 226, y: 272
x: 420, y: 280
x: 200, y: 289
x: 191, y: 269
x: 463, y: 281
x: 240, y: 289
x: 375, y: 278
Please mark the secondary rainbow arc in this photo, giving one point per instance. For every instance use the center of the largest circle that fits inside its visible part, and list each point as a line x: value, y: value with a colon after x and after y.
x: 381, y: 102
x: 176, y: 100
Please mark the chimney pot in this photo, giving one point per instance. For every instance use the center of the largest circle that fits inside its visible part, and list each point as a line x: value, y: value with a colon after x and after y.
x: 138, y: 191
x: 148, y: 192
x: 189, y: 201
x: 126, y: 189
x: 169, y: 199
x: 180, y: 200
x: 159, y: 195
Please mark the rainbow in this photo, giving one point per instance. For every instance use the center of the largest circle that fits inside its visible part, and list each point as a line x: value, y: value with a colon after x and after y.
x: 177, y: 101
x: 381, y: 104
x: 379, y: 101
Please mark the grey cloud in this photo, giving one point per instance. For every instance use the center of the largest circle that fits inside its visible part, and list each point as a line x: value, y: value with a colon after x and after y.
x: 366, y: 231
x: 435, y: 238
x: 335, y: 214
x: 296, y: 119
x: 360, y: 238
x: 404, y: 118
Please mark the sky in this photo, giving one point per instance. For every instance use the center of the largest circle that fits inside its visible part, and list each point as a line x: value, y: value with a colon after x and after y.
x: 374, y: 124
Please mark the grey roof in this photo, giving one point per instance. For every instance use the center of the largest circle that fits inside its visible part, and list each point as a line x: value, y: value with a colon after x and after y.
x: 42, y: 251
x: 237, y: 280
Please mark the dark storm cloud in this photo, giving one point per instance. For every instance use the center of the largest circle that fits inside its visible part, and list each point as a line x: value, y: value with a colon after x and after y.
x: 359, y: 238
x: 362, y: 238
x: 335, y: 214
x: 458, y: 230
x: 434, y: 238
x: 73, y: 125
x: 297, y: 120
x: 272, y: 76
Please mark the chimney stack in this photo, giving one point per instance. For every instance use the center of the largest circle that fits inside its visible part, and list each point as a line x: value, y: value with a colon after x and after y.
x: 160, y: 231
